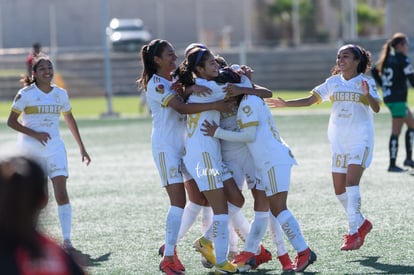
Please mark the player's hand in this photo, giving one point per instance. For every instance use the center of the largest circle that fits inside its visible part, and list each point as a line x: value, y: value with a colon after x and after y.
x: 198, y: 90
x: 275, y: 102
x: 85, y: 157
x: 224, y: 106
x: 42, y: 137
x: 232, y: 90
x: 209, y: 128
x: 365, y: 87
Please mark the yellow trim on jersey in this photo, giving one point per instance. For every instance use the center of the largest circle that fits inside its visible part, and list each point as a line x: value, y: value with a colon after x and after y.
x: 318, y: 96
x: 249, y: 124
x: 365, y: 157
x: 67, y: 112
x: 271, y: 175
x: 167, y: 100
x: 43, y: 109
x: 209, y: 173
x: 163, y: 167
x: 16, y: 111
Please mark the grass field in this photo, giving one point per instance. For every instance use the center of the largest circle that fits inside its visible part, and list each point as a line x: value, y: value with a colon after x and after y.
x: 119, y: 207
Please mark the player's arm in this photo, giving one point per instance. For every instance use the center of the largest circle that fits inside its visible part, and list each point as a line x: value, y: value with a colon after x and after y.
x: 178, y: 104
x: 73, y: 127
x: 14, y: 123
x: 376, y: 75
x: 248, y: 134
x: 234, y: 90
x: 300, y: 102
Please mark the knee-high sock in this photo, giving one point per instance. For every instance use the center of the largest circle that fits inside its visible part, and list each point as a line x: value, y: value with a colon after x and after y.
x: 173, y: 224
x: 220, y: 228
x: 409, y: 135
x: 343, y: 199
x: 65, y: 218
x: 191, y: 211
x: 354, y: 208
x: 206, y: 218
x: 257, y: 231
x: 233, y: 239
x: 277, y: 235
x: 393, y: 149
x: 239, y: 222
x: 292, y: 230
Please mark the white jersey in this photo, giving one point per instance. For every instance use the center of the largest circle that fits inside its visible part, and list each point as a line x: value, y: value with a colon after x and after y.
x: 41, y: 113
x: 351, y: 124
x: 351, y: 116
x: 168, y: 125
x: 268, y: 149
x: 203, y: 153
x: 168, y: 131
x: 236, y: 155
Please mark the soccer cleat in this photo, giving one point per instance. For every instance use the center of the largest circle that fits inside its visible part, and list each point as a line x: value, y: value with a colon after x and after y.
x: 177, y: 261
x: 286, y: 262
x: 263, y: 257
x: 396, y: 169
x: 67, y: 245
x: 409, y: 162
x: 244, y: 261
x: 351, y: 242
x: 226, y: 268
x: 205, y: 247
x: 205, y: 262
x: 170, y: 268
x: 364, y: 229
x: 304, y: 259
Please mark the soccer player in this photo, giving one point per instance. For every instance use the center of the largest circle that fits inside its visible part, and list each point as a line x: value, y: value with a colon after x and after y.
x: 168, y: 131
x: 354, y: 98
x: 40, y: 103
x: 273, y: 161
x: 391, y: 72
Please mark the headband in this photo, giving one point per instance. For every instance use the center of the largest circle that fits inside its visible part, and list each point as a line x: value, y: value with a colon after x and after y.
x: 199, y: 56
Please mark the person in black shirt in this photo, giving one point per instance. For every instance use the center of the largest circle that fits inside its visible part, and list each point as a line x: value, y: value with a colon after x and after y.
x: 391, y: 72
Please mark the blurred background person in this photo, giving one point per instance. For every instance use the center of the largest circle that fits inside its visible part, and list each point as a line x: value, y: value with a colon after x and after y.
x: 23, y: 248
x: 391, y: 72
x: 36, y: 49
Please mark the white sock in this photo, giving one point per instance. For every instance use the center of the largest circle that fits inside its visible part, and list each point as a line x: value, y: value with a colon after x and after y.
x: 233, y: 239
x: 206, y: 218
x: 220, y: 230
x: 65, y: 218
x: 257, y: 231
x: 240, y: 223
x: 190, y: 214
x: 172, y: 227
x: 277, y: 235
x: 354, y: 208
x: 343, y: 199
x: 291, y: 227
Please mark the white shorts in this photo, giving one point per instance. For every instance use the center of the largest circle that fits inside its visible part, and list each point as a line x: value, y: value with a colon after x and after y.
x: 209, y: 173
x: 55, y: 164
x: 241, y: 164
x: 344, y: 155
x: 276, y: 179
x: 169, y: 168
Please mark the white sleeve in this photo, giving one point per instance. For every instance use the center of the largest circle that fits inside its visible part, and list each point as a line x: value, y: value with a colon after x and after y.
x: 248, y: 134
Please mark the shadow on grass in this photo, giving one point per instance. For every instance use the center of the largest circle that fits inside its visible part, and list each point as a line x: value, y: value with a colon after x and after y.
x: 265, y: 271
x: 85, y: 260
x: 372, y: 261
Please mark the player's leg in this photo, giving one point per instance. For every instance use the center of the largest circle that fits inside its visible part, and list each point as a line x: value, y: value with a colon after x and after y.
x: 409, y: 136
x: 277, y: 193
x: 64, y: 209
